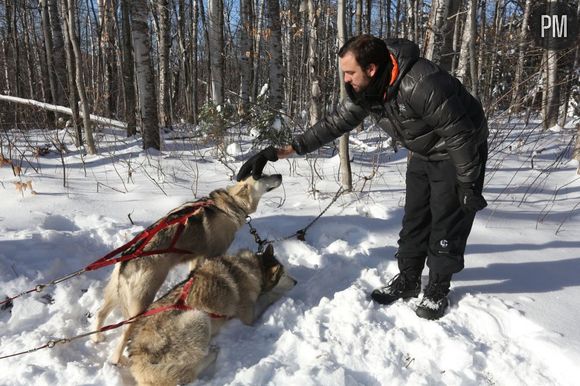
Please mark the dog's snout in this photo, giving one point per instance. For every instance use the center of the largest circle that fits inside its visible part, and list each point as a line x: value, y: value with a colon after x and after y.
x: 287, y: 282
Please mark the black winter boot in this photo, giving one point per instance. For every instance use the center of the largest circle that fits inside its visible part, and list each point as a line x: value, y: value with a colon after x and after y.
x: 404, y: 285
x: 434, y: 302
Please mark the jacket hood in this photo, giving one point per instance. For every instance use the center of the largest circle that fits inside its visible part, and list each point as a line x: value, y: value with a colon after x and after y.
x: 406, y: 53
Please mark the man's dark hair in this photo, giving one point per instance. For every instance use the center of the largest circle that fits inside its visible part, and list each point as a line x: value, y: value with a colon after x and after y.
x: 367, y: 49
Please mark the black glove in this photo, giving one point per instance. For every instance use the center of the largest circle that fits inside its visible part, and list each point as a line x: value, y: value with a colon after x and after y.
x: 256, y: 163
x: 470, y: 199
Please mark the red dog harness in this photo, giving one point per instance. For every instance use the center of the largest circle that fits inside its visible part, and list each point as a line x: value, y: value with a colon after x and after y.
x: 134, y: 248
x: 179, y: 305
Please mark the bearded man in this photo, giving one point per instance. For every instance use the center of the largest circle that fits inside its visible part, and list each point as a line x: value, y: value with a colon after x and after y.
x: 445, y: 130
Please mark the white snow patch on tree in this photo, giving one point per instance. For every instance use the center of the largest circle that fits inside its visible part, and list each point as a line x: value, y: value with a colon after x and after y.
x: 277, y: 124
x: 263, y: 90
x: 254, y: 132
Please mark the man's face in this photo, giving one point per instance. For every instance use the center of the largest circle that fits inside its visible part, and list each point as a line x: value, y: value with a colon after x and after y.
x: 354, y: 74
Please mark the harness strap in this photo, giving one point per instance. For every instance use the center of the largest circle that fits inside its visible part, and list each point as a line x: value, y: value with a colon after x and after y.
x: 179, y: 305
x: 143, y: 239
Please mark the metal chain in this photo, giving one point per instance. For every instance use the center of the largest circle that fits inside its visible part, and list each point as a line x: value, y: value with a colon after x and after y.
x: 49, y: 344
x: 299, y: 234
x: 257, y: 237
x: 41, y: 287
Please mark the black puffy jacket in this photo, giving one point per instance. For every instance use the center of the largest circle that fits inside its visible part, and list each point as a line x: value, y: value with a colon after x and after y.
x: 426, y: 109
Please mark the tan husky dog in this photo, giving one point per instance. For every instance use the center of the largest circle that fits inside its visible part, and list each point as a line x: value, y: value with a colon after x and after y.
x: 172, y: 347
x: 208, y: 233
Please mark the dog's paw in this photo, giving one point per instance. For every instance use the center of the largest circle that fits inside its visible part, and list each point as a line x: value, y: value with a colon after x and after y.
x: 122, y: 361
x: 98, y: 338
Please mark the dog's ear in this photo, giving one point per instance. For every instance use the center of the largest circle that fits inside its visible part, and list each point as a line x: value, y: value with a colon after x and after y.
x: 269, y: 250
x: 268, y: 257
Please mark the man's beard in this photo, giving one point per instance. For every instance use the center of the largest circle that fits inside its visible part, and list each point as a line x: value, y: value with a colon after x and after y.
x: 373, y: 92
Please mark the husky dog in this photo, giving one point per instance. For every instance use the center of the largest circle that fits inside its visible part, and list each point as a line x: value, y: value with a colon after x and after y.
x: 207, y: 233
x: 173, y: 347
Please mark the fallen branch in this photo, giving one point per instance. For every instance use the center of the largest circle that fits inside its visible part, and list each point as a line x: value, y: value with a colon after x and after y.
x: 63, y: 110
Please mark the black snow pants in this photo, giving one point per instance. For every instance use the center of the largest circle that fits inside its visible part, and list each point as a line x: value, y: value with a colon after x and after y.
x: 435, y: 227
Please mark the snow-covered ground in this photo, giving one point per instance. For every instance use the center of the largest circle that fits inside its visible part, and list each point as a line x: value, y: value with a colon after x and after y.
x: 515, y: 308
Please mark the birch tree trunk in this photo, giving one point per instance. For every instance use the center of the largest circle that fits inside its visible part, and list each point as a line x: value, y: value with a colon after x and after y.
x: 315, y: 92
x: 466, y: 54
x: 49, y: 52
x: 6, y: 74
x: 456, y: 43
x: 368, y: 17
x: 481, y: 55
x: 388, y: 26
x: 553, y: 84
x: 184, y: 97
x: 193, y: 57
x: 72, y: 33
x: 345, y: 170
x: 398, y: 31
x: 411, y: 22
x: 358, y: 18
x: 164, y: 44
x: 59, y: 60
x: 522, y: 47
x: 144, y: 75
x: 207, y: 49
x: 290, y: 26
x: 246, y: 55
x: 15, y: 47
x: 108, y: 28
x: 357, y: 31
x: 570, y: 77
x: 552, y: 90
x: 490, y: 69
x: 29, y: 52
x: 130, y: 100
x: 449, y: 28
x: 42, y: 70
x: 472, y: 54
x: 276, y: 71
x: 258, y: 47
x: 435, y: 29
x: 71, y: 74
x: 216, y: 40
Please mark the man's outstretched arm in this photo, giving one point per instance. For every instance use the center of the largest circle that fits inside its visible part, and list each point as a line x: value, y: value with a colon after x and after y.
x: 346, y: 117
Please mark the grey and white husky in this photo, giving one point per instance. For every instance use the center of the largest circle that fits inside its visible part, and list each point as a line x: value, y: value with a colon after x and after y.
x: 172, y: 347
